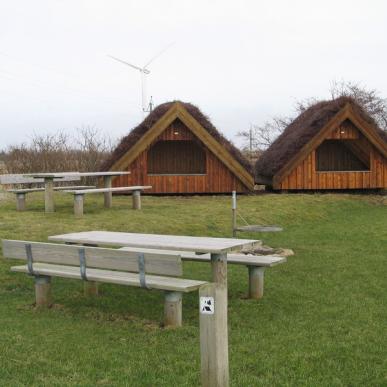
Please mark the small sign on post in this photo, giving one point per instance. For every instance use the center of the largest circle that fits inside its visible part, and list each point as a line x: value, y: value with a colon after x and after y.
x: 207, y: 305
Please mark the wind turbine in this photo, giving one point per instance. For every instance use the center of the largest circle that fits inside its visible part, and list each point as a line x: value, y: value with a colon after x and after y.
x: 144, y: 71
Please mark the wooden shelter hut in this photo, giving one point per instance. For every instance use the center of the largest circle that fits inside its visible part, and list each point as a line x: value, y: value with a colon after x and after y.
x: 331, y: 145
x: 177, y: 150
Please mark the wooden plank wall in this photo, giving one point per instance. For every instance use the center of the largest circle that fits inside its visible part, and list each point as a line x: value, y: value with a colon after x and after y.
x: 306, y: 177
x: 218, y: 178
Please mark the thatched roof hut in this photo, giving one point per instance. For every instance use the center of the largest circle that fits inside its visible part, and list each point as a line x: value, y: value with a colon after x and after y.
x: 331, y: 145
x: 176, y: 149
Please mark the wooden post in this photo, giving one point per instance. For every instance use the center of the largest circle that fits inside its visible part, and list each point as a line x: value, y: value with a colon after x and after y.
x: 234, y: 215
x: 49, y: 194
x: 173, y: 309
x: 43, y: 291
x: 136, y: 198
x: 90, y: 288
x: 78, y: 205
x: 256, y: 281
x: 20, y: 201
x: 219, y: 268
x: 213, y: 336
x: 108, y: 196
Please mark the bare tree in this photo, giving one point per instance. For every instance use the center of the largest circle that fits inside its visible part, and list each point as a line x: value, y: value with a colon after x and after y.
x: 262, y: 136
x: 59, y: 152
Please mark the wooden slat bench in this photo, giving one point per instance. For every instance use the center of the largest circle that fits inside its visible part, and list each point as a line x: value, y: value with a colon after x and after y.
x: 153, y: 270
x: 79, y: 196
x: 256, y: 265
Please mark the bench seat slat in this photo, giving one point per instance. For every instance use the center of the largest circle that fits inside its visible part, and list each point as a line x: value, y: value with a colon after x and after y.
x: 238, y: 259
x: 102, y: 190
x: 114, y: 277
x: 101, y: 258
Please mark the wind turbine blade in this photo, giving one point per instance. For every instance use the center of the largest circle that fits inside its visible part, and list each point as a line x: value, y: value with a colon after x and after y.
x: 158, y: 54
x: 128, y: 64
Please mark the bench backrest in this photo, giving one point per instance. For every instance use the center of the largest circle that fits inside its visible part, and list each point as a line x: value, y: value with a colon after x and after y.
x: 96, y: 257
x: 21, y: 179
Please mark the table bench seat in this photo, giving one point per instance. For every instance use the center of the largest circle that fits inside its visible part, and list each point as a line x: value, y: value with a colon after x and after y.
x: 256, y: 264
x: 79, y: 196
x: 113, y: 277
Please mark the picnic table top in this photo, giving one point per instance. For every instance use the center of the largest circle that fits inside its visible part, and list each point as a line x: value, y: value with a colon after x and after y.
x: 65, y: 174
x: 154, y: 241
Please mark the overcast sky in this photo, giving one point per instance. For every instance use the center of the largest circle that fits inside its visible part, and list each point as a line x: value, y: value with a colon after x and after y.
x: 240, y: 62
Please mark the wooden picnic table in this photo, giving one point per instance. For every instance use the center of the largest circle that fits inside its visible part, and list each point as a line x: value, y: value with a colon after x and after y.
x: 49, y: 184
x: 214, y: 335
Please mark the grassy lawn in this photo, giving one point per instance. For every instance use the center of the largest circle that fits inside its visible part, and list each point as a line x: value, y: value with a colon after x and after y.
x: 322, y: 321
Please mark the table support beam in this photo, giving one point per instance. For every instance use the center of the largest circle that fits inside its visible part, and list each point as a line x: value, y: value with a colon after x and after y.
x: 108, y: 196
x: 49, y: 194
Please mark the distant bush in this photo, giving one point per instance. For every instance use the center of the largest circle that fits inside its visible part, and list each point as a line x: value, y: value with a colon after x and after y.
x: 59, y: 152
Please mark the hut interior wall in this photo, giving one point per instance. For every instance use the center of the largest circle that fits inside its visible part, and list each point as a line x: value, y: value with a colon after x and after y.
x: 217, y: 178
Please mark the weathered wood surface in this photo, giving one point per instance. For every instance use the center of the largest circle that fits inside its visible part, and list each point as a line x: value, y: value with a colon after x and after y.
x: 155, y: 241
x: 103, y: 190
x: 20, y: 201
x: 108, y: 196
x: 27, y: 179
x: 232, y: 258
x: 24, y: 190
x: 49, y: 195
x: 43, y: 292
x: 214, y: 338
x: 173, y: 309
x: 102, y: 258
x: 114, y: 277
x: 256, y: 282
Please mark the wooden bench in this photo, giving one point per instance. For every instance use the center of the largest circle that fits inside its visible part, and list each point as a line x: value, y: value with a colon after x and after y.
x: 79, y: 196
x: 19, y: 179
x: 150, y: 270
x: 256, y: 265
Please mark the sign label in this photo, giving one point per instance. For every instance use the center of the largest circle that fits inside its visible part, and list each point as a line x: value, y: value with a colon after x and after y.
x: 207, y: 305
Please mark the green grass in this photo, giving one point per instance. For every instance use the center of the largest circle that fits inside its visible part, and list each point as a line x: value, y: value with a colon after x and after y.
x: 322, y: 321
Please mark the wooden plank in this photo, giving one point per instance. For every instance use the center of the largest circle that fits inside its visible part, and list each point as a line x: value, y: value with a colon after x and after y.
x: 155, y: 241
x: 23, y: 179
x: 101, y: 258
x: 102, y: 190
x: 114, y: 277
x: 232, y: 258
x: 25, y: 190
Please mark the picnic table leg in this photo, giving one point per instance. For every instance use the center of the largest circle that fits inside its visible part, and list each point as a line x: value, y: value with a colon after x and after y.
x: 256, y: 281
x: 78, y: 205
x: 136, y: 198
x: 213, y: 327
x: 49, y: 194
x: 108, y: 196
x: 43, y: 291
x: 173, y: 309
x: 20, y: 201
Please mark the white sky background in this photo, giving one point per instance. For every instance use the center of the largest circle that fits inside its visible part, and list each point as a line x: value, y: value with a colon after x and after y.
x: 240, y: 62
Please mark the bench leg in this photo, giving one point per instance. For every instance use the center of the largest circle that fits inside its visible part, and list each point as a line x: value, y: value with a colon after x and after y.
x: 256, y: 281
x: 78, y: 205
x: 20, y: 202
x: 173, y: 309
x: 90, y: 288
x: 136, y: 198
x: 108, y: 195
x: 43, y: 291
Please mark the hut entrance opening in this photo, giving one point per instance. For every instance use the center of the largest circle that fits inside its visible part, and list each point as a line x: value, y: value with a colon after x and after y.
x: 342, y: 156
x: 176, y: 157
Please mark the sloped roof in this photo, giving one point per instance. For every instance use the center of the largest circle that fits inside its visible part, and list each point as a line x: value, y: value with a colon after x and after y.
x: 138, y: 132
x: 303, y: 129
